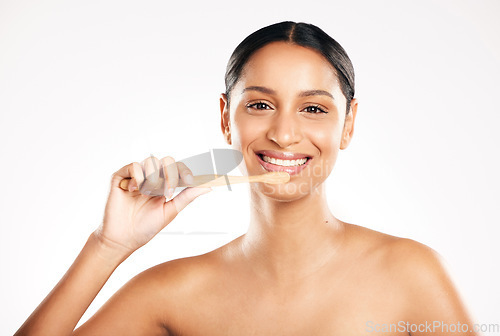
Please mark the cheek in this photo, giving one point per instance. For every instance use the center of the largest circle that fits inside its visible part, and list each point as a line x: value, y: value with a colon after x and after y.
x: 325, y: 137
x: 246, y: 129
x: 327, y: 142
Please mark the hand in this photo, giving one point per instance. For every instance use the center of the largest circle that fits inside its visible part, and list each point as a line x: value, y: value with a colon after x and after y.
x: 132, y: 219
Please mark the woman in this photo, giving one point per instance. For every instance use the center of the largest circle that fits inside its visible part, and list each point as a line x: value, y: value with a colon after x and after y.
x: 289, y: 105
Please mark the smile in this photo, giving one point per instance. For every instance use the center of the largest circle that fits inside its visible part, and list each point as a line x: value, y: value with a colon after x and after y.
x: 285, y: 163
x: 288, y: 162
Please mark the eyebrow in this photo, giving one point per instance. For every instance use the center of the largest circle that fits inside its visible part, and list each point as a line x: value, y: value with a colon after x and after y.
x: 301, y: 94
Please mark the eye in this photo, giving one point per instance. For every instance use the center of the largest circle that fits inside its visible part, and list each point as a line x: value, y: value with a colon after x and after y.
x: 258, y: 106
x: 315, y: 109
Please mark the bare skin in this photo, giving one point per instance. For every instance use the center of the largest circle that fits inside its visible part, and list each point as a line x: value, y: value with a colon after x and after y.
x: 297, y: 271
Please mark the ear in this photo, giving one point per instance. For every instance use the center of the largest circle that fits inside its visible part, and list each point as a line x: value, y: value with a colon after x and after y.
x: 349, y: 124
x: 225, y: 123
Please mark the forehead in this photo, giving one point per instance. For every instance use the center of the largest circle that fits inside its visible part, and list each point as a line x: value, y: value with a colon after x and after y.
x: 290, y: 67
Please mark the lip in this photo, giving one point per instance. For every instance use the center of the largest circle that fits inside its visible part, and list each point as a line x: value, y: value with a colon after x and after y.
x: 290, y: 170
x: 284, y: 155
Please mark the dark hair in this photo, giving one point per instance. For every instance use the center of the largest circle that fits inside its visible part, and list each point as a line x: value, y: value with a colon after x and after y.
x: 302, y: 34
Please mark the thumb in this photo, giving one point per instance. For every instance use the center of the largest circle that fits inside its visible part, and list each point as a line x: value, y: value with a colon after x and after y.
x: 179, y: 202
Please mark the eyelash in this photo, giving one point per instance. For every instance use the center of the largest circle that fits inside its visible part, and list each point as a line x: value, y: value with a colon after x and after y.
x: 315, y: 106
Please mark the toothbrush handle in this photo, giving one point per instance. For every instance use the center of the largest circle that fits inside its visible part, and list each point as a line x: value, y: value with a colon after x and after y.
x: 212, y: 180
x: 209, y: 180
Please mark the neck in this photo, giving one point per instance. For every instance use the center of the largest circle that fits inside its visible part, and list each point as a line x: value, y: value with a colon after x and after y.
x: 290, y: 240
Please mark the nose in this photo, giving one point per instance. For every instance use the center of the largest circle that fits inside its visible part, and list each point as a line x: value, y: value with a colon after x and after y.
x: 285, y: 129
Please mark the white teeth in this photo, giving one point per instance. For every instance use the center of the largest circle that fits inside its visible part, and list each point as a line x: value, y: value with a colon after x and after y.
x: 286, y: 163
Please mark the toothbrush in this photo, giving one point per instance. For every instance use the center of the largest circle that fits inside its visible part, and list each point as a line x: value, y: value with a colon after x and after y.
x: 212, y: 180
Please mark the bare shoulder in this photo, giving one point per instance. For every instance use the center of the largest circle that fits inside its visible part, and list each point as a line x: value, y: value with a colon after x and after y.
x: 190, y: 272
x: 182, y: 276
x: 419, y: 273
x: 407, y: 263
x: 404, y: 254
x: 149, y: 302
x: 182, y: 271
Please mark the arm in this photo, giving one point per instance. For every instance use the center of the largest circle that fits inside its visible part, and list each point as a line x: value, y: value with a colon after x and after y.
x: 61, y: 310
x: 131, y: 219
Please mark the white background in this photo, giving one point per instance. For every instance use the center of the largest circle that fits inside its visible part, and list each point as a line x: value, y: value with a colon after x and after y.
x: 87, y: 87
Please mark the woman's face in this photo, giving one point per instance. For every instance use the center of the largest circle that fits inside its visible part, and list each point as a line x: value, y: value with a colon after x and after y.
x: 288, y: 102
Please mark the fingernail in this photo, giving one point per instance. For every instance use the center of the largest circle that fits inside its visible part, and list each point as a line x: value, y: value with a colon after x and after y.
x: 189, y: 179
x: 170, y: 192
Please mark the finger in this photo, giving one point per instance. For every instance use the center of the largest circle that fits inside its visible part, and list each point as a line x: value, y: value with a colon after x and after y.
x: 151, y: 167
x: 137, y: 176
x: 127, y: 171
x: 179, y: 202
x: 171, y: 175
x: 185, y: 173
